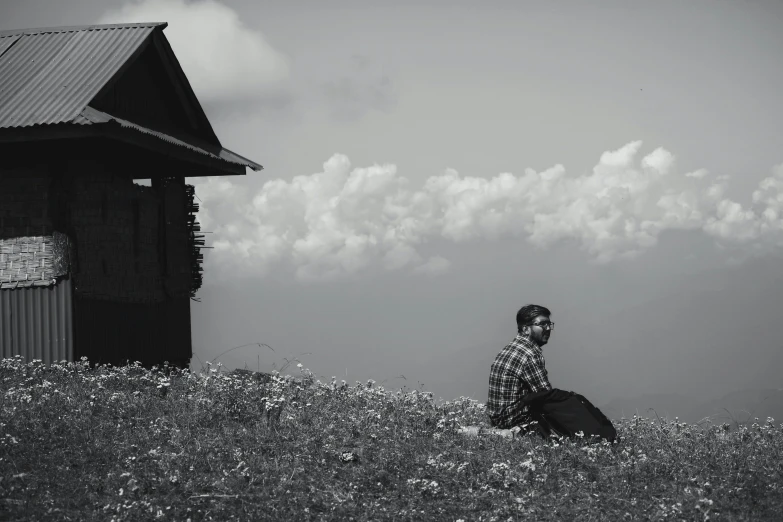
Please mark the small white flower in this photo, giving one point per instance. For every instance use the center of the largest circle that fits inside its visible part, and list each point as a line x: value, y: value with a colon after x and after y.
x: 528, y: 464
x: 348, y: 456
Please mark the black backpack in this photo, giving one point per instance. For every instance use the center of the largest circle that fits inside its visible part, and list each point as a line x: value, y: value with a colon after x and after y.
x: 566, y: 413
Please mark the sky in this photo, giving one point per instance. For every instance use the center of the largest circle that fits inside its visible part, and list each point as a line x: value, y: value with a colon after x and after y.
x: 432, y: 166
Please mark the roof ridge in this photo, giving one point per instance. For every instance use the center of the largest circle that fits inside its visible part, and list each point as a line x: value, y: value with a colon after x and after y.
x: 76, y: 28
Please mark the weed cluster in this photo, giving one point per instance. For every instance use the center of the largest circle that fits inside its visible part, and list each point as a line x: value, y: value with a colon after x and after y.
x: 129, y: 443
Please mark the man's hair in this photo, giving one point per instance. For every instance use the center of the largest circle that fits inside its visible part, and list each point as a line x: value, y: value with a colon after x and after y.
x: 527, y: 313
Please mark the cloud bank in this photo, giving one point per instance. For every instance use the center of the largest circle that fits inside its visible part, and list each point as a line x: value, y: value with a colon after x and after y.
x: 345, y: 220
x: 223, y: 59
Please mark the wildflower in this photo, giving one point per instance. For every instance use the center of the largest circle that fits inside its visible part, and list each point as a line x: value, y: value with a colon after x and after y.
x: 499, y: 468
x: 528, y: 464
x: 349, y: 456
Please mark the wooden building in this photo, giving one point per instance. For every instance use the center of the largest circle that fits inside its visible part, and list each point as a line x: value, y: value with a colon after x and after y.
x: 91, y: 263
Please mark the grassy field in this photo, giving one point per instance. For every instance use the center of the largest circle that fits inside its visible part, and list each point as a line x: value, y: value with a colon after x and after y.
x: 81, y: 443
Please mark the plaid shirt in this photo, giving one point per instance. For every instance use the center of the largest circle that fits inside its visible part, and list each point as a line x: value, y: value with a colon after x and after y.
x: 518, y: 370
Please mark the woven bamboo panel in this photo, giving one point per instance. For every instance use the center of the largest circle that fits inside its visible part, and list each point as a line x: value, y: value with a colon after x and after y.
x: 33, y: 260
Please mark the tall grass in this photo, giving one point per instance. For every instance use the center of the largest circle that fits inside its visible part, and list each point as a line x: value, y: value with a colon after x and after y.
x: 127, y: 443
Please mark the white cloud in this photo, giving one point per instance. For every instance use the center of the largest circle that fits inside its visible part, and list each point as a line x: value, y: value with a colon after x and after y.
x: 345, y: 220
x: 223, y: 59
x: 659, y: 160
x: 698, y: 174
x: 435, y: 265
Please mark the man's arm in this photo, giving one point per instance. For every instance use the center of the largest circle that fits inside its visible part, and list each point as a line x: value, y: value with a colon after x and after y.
x: 535, y: 375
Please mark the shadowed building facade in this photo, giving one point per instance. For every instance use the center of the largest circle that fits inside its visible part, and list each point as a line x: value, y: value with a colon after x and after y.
x: 91, y: 263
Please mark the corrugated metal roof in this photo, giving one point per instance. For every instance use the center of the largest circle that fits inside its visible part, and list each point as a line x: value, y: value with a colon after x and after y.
x: 7, y: 41
x: 94, y: 116
x: 50, y: 75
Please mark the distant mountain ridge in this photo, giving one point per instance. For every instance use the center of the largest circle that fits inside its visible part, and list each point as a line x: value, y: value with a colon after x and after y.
x: 740, y: 406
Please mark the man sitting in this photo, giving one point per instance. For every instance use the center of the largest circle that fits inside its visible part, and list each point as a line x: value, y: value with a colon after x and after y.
x: 519, y: 370
x: 520, y: 393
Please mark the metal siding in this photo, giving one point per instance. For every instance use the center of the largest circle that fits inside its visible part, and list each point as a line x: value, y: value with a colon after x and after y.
x: 50, y: 77
x: 37, y: 322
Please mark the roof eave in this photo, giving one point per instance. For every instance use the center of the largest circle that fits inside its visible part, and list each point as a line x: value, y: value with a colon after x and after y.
x: 214, y: 166
x: 209, y: 166
x: 206, y: 150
